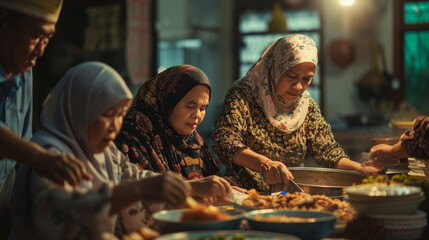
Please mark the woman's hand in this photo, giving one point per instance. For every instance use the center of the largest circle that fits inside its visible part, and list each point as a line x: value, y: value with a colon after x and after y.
x: 168, y: 187
x: 368, y: 168
x: 212, y: 186
x: 372, y: 168
x: 210, y: 201
x: 239, y: 189
x: 384, y: 154
x: 276, y: 172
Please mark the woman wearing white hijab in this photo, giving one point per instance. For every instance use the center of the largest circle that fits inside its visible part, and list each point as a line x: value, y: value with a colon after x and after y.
x: 82, y: 118
x: 270, y: 122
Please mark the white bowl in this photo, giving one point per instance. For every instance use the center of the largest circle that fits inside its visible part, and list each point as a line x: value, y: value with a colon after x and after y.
x: 382, y: 190
x: 377, y: 192
x: 395, y: 206
x: 417, y: 219
x: 406, y: 233
x: 403, y: 198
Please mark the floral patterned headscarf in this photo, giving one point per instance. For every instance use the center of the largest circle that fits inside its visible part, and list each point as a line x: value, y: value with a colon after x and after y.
x: 148, y: 139
x: 280, y: 56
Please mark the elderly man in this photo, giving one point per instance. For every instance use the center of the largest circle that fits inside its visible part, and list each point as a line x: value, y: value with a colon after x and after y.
x: 26, y: 27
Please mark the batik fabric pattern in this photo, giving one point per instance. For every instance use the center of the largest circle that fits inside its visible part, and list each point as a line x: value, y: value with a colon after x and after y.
x: 148, y: 140
x: 244, y: 124
x: 416, y: 140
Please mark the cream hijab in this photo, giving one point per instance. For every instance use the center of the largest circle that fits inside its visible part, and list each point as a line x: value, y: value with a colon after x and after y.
x: 85, y: 91
x: 279, y: 57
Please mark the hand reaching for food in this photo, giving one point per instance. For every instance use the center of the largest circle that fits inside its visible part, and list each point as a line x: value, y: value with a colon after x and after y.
x: 372, y: 168
x: 275, y: 172
x: 212, y: 186
x: 168, y: 187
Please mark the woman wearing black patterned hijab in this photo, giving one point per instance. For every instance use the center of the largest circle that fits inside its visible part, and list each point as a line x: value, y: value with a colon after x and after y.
x: 159, y: 133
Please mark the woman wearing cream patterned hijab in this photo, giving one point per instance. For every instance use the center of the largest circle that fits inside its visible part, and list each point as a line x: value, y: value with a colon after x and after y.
x: 263, y: 78
x: 269, y: 122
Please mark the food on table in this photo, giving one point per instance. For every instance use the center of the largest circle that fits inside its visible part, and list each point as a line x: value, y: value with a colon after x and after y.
x: 148, y: 233
x: 142, y: 234
x: 285, y: 219
x: 206, y: 213
x: 200, y: 212
x: 398, y: 178
x: 133, y: 236
x: 222, y: 237
x: 300, y: 201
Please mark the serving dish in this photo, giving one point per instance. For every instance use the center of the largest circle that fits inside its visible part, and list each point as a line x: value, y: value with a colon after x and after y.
x: 170, y: 221
x: 416, y: 219
x: 378, y: 191
x: 325, y: 181
x: 232, y: 234
x: 403, y: 226
x: 322, y: 224
x: 387, y: 207
x: 381, y: 198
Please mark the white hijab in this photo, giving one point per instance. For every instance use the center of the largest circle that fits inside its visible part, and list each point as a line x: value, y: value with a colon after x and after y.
x: 279, y: 57
x: 85, y: 91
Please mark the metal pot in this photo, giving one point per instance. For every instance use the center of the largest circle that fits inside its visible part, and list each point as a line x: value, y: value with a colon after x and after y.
x: 325, y: 181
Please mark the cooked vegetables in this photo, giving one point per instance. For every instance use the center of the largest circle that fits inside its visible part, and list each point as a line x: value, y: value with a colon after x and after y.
x: 398, y: 178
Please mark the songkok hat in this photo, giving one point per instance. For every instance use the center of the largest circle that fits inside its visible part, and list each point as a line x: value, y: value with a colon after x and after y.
x: 48, y: 10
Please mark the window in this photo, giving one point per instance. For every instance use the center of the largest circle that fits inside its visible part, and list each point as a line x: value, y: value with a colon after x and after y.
x: 178, y: 52
x: 412, y: 53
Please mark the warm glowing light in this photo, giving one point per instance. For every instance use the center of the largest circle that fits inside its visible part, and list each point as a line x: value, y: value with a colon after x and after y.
x: 346, y: 3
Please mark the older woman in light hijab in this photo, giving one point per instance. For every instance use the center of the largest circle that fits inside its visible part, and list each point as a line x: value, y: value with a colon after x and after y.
x: 269, y: 122
x: 82, y: 118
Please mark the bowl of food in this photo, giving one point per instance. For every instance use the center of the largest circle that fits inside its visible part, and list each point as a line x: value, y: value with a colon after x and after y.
x: 300, y: 223
x: 382, y: 198
x: 408, y: 206
x: 208, y: 218
x: 382, y: 192
x: 227, y: 235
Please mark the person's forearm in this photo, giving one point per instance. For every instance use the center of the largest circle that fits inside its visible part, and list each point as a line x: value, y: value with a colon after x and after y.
x: 124, y: 195
x: 348, y: 164
x: 399, y: 151
x: 195, y: 187
x: 17, y: 148
x: 248, y: 158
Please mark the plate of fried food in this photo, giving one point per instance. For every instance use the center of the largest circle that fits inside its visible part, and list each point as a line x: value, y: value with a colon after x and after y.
x: 144, y: 233
x: 227, y: 235
x: 198, y: 217
x: 298, y: 201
